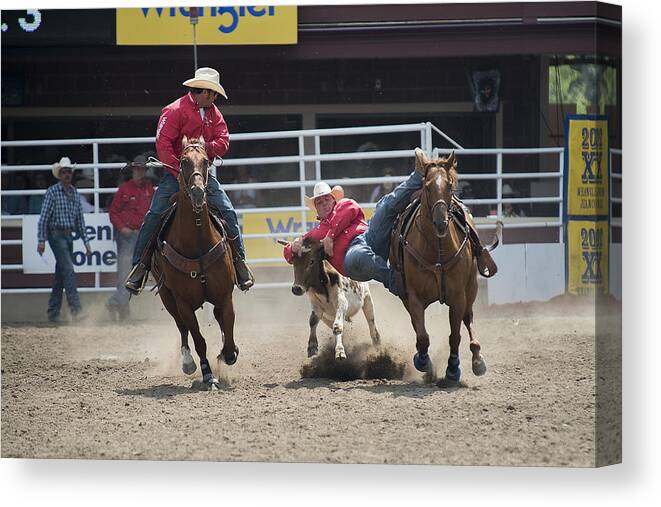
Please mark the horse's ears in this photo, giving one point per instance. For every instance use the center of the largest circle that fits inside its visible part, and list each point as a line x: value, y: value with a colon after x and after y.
x: 202, y: 142
x: 184, y: 142
x: 452, y: 160
x: 421, y: 161
x: 453, y: 177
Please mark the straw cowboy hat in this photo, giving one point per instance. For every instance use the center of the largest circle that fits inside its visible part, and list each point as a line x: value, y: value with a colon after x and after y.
x: 58, y: 166
x: 322, y: 188
x: 207, y: 79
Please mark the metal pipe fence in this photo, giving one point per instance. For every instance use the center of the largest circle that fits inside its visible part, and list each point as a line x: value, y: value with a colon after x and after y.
x: 302, y: 158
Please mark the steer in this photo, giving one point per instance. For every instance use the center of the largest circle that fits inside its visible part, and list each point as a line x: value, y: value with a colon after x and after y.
x: 334, y: 297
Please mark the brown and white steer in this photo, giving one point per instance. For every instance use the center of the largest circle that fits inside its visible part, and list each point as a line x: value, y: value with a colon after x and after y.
x: 335, y: 298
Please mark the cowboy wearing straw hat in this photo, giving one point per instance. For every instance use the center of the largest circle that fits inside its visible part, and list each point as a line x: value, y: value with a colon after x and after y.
x: 355, y: 249
x: 61, y: 215
x: 194, y: 115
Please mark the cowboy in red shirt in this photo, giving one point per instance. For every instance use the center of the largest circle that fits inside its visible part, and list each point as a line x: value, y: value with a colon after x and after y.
x: 353, y: 248
x: 128, y: 209
x: 195, y: 116
x: 340, y: 220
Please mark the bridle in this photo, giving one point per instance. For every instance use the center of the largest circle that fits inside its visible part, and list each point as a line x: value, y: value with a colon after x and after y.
x: 198, y: 147
x: 439, y: 202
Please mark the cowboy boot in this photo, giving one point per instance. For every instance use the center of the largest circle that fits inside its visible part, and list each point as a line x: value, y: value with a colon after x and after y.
x: 136, y: 279
x: 485, y: 264
x: 244, y: 276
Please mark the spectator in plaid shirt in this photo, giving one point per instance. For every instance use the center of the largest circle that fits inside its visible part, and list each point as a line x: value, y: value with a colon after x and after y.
x: 61, y: 215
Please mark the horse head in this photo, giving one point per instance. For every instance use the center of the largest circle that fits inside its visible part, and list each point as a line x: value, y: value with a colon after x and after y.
x: 440, y: 181
x: 194, y: 171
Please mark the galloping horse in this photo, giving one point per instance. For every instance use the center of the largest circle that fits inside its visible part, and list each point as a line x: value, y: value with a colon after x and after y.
x: 193, y: 264
x: 438, y: 263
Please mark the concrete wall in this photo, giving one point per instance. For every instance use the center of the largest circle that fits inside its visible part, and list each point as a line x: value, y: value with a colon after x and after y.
x: 536, y: 272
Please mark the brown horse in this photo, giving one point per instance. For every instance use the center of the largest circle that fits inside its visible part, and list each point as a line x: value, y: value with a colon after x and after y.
x: 193, y: 264
x: 438, y: 264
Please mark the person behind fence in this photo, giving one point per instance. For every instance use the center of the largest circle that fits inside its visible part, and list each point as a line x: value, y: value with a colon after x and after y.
x: 193, y: 115
x: 382, y: 188
x: 353, y: 248
x: 127, y: 211
x: 61, y: 216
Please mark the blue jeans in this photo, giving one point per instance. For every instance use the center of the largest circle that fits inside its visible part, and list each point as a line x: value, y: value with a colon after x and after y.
x: 216, y: 199
x: 125, y: 247
x: 367, y: 255
x: 61, y: 243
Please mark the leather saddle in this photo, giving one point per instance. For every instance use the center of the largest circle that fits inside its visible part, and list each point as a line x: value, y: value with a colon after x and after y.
x: 459, y: 214
x: 193, y: 267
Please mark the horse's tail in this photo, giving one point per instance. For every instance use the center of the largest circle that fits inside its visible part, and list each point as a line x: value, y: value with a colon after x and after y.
x: 498, y: 237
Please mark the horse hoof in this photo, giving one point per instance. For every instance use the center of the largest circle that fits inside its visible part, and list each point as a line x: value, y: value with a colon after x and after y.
x: 210, y: 382
x: 422, y: 362
x: 453, y: 374
x: 189, y: 368
x: 231, y: 358
x: 312, y: 351
x: 479, y: 367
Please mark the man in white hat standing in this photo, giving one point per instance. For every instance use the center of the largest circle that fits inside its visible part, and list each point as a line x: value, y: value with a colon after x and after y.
x: 61, y: 216
x: 194, y: 115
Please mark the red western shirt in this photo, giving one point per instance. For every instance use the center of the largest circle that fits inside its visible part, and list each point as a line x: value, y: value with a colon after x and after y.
x: 343, y: 223
x: 182, y: 118
x: 130, y: 205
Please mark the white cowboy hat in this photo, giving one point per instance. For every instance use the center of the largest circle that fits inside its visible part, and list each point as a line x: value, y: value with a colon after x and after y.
x: 322, y: 188
x: 207, y: 79
x: 58, y: 166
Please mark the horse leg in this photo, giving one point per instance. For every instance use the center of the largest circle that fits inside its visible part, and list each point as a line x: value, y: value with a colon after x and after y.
x: 313, y: 345
x: 368, y: 310
x: 224, y: 314
x: 421, y: 359
x: 188, y: 365
x: 453, y: 371
x: 338, y: 328
x: 479, y: 366
x: 188, y: 316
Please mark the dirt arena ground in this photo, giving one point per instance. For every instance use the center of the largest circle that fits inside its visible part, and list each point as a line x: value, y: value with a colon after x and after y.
x: 107, y: 391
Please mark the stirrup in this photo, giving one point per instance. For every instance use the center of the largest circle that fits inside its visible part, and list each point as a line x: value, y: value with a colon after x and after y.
x: 248, y: 282
x: 130, y: 285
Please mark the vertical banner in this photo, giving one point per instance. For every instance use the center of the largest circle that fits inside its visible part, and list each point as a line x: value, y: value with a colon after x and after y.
x: 587, y: 259
x: 587, y: 204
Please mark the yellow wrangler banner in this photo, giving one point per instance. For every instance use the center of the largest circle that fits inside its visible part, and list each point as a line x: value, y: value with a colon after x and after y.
x: 216, y: 25
x: 587, y: 174
x: 282, y: 222
x: 587, y: 259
